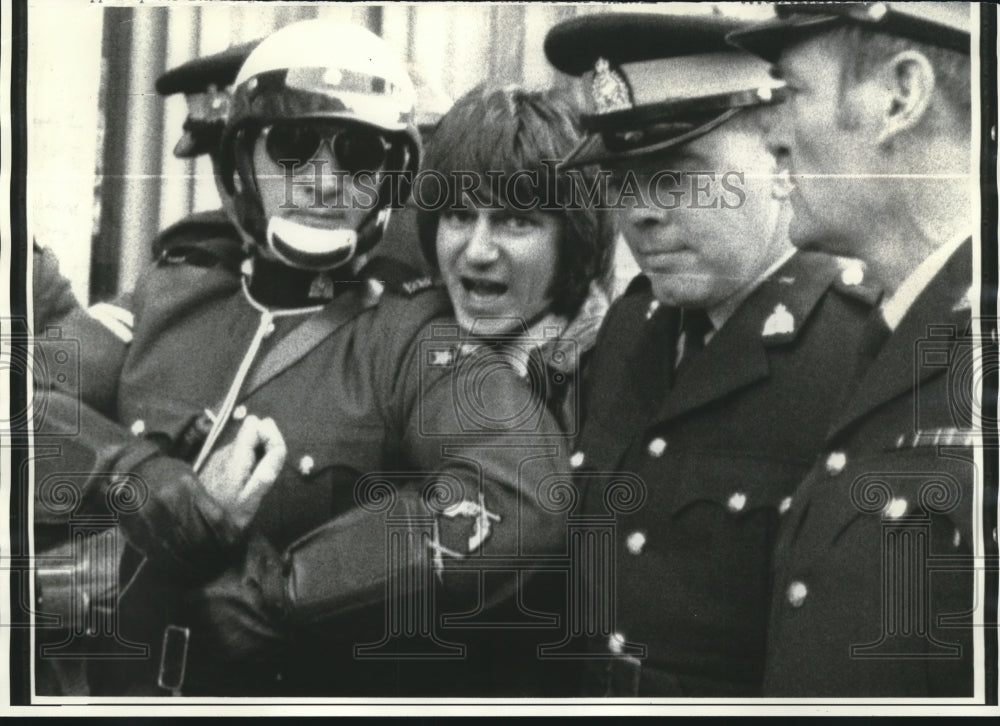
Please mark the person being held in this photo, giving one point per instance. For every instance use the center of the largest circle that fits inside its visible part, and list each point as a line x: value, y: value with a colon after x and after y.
x: 524, y: 259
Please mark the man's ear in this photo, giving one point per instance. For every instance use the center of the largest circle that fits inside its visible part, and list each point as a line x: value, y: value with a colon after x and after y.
x: 910, y: 80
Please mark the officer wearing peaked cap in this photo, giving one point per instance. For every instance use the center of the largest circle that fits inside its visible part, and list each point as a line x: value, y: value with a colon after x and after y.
x: 714, y: 377
x: 864, y: 604
x: 204, y: 238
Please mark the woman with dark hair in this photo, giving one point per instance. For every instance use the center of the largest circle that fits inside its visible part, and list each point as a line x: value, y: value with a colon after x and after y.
x: 522, y: 251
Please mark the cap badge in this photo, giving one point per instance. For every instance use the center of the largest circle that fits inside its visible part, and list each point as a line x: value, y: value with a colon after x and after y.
x: 609, y: 89
x: 779, y: 322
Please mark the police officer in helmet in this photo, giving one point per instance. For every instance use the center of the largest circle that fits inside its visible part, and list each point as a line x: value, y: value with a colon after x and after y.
x: 329, y: 345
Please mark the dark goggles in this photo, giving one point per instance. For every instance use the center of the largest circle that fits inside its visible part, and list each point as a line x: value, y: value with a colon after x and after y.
x: 355, y: 149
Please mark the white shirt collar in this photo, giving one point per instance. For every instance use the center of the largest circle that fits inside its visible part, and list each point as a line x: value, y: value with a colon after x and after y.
x: 896, y: 307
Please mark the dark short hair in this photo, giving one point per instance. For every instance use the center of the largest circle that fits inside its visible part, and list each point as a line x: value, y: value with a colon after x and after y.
x: 509, y: 130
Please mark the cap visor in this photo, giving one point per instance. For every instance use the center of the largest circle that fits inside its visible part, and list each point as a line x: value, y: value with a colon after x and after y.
x: 589, y: 151
x: 188, y: 147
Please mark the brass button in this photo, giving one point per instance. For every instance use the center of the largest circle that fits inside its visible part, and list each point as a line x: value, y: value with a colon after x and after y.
x: 785, y: 505
x: 306, y: 465
x: 138, y: 427
x: 576, y: 460
x: 797, y: 592
x: 853, y: 275
x: 656, y: 447
x: 836, y: 462
x: 896, y: 508
x: 651, y: 310
x: 737, y: 501
x: 239, y: 413
x: 635, y: 542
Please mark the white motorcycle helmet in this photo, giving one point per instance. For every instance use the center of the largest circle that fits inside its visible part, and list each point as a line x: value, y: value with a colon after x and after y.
x: 320, y: 70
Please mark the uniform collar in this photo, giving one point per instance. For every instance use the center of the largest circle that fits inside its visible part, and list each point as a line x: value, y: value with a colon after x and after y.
x: 895, y: 308
x: 724, y: 310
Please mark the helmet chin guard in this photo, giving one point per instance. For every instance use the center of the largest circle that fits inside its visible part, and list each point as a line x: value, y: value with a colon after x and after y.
x: 310, y: 248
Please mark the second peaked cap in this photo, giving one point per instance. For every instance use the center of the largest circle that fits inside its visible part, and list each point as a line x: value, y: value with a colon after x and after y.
x: 655, y: 81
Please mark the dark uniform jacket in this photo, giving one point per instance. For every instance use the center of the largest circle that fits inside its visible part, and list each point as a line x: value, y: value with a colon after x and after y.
x: 873, y: 583
x: 711, y: 459
x: 62, y: 324
x: 367, y: 406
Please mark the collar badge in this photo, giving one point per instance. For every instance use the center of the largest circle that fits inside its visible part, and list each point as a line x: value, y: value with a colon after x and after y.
x: 779, y: 322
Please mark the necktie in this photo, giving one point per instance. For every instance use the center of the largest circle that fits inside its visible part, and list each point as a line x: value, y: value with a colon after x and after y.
x: 695, y: 325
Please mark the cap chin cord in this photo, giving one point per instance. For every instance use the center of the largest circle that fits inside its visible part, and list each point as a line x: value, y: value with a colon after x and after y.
x: 310, y: 248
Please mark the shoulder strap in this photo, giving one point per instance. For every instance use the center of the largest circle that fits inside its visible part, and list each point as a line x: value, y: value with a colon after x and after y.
x: 307, y: 335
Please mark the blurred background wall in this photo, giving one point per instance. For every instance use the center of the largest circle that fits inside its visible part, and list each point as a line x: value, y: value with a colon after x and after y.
x: 102, y: 180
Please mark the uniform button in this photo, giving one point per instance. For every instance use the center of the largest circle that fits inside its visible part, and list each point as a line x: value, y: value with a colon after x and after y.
x: 656, y: 447
x: 737, y: 501
x: 877, y: 11
x: 616, y: 643
x: 852, y: 275
x: 651, y: 310
x: 576, y: 460
x: 956, y: 539
x: 797, y: 592
x: 836, y: 462
x: 994, y: 535
x: 306, y: 464
x: 635, y: 542
x: 138, y: 427
x: 240, y: 412
x: 896, y: 508
x: 269, y: 330
x: 785, y: 505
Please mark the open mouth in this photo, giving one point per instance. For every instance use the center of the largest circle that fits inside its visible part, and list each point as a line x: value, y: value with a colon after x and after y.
x: 484, y: 288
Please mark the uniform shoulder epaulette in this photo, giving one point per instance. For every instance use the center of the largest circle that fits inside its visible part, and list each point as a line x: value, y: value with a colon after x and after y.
x: 397, y: 277
x: 791, y: 293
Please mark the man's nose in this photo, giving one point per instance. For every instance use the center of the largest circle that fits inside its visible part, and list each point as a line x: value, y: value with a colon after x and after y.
x: 480, y: 249
x: 776, y: 136
x: 323, y: 177
x: 642, y: 210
